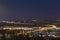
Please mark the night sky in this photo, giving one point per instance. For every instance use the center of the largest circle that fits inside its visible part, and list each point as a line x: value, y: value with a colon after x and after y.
x: 29, y: 9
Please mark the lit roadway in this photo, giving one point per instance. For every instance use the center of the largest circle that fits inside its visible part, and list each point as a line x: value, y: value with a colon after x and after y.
x: 27, y: 29
x: 42, y: 29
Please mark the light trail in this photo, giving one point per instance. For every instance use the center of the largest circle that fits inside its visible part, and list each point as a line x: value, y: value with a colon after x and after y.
x: 42, y: 29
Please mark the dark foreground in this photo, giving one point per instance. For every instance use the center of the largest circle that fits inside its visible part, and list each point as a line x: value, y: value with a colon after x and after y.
x: 29, y: 38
